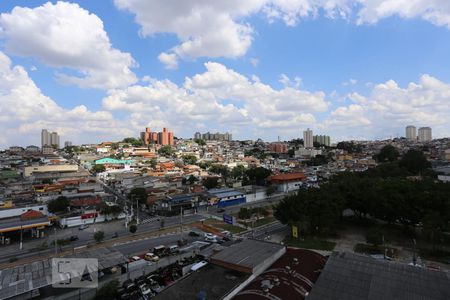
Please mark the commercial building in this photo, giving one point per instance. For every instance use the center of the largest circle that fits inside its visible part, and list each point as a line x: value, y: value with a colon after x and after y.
x: 33, y: 170
x: 322, y: 139
x: 308, y: 141
x: 163, y: 138
x: 411, y: 133
x: 225, y: 197
x: 425, y: 134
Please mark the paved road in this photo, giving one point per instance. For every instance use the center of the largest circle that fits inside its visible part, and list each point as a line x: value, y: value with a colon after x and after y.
x: 144, y: 245
x: 86, y: 236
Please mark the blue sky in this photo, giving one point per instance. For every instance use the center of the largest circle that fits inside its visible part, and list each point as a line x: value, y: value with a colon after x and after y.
x: 263, y: 68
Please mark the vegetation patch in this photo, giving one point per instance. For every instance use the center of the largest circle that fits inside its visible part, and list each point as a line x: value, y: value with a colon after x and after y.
x: 310, y: 243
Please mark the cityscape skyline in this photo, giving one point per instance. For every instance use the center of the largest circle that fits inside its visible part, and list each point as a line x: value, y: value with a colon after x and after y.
x: 106, y: 88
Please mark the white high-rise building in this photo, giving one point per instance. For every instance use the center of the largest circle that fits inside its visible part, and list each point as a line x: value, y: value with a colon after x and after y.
x: 411, y: 133
x: 45, y: 138
x: 308, y: 140
x: 54, y: 139
x: 425, y: 134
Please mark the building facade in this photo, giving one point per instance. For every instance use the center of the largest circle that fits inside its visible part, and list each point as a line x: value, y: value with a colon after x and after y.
x: 411, y: 133
x: 216, y: 136
x: 164, y: 137
x: 49, y: 138
x: 308, y: 140
x: 425, y: 134
x: 322, y: 139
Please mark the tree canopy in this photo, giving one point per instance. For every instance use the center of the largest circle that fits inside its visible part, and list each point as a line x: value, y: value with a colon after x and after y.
x: 189, y: 159
x: 60, y: 204
x: 166, y: 151
x: 139, y: 194
x: 387, y: 153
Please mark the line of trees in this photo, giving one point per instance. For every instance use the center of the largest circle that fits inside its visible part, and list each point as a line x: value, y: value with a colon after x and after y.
x: 385, y: 193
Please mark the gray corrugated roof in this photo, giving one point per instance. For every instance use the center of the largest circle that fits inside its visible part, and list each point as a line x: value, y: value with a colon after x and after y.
x: 24, y: 278
x: 248, y: 253
x: 353, y: 276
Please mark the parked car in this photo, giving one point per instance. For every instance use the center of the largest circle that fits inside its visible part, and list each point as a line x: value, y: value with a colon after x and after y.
x: 174, y: 249
x: 160, y: 250
x: 135, y: 258
x: 83, y: 226
x: 193, y: 234
x: 151, y: 257
x: 210, y: 235
x: 146, y: 291
x: 73, y: 238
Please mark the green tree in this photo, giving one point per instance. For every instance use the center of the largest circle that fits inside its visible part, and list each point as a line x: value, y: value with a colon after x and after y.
x: 415, y: 162
x: 189, y: 159
x: 210, y: 182
x: 108, y: 291
x: 244, y: 213
x: 166, y: 151
x: 270, y: 190
x: 192, y: 179
x: 60, y: 204
x: 153, y: 162
x: 133, y: 141
x: 139, y: 194
x: 238, y: 172
x: 220, y: 170
x: 200, y: 142
x: 47, y: 181
x: 387, y: 153
x: 258, y: 175
x: 98, y: 168
x: 99, y: 236
x: 133, y: 228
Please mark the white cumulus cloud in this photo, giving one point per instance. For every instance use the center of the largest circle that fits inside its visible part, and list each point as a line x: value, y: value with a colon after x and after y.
x: 64, y: 35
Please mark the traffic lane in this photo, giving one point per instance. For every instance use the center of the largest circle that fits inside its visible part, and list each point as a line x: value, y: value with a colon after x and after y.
x: 146, y: 245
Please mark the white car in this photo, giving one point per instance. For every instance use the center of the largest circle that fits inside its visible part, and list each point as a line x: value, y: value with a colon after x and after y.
x: 210, y: 236
x: 135, y: 258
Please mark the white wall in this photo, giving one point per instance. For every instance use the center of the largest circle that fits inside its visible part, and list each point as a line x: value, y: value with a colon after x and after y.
x: 15, y: 212
x: 289, y: 186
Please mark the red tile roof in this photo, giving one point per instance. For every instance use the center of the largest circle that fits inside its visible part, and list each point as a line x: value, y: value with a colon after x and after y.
x: 31, y: 214
x: 287, y: 177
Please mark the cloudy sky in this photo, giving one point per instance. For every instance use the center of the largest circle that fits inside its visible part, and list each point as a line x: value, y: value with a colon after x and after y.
x: 104, y: 70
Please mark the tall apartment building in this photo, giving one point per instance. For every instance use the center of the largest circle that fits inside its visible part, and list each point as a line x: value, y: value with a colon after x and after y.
x: 162, y: 138
x: 217, y: 136
x: 425, y: 134
x: 411, y: 133
x: 197, y: 136
x: 308, y: 141
x: 49, y: 139
x: 322, y: 139
x: 278, y: 147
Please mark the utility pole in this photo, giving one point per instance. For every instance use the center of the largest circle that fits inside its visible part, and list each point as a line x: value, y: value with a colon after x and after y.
x: 137, y: 211
x: 56, y: 242
x: 21, y: 243
x: 181, y: 223
x: 414, y: 252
